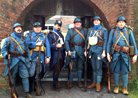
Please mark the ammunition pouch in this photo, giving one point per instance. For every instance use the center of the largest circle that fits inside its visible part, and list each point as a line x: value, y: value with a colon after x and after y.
x: 16, y: 54
x: 100, y: 43
x: 117, y: 48
x: 72, y: 44
x: 124, y: 49
x: 37, y: 49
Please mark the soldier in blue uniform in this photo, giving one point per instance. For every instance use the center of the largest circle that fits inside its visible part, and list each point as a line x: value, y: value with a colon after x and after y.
x: 34, y: 40
x: 56, y: 41
x: 18, y: 64
x: 121, y: 37
x: 97, y: 40
x: 74, y: 44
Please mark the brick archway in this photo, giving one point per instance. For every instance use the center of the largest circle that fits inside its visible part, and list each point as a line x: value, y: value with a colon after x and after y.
x: 16, y: 10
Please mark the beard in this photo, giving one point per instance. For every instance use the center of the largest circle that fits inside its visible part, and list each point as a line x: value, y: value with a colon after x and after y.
x: 58, y: 29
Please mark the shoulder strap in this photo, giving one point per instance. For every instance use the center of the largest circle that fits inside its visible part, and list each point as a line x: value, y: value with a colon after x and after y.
x: 101, y: 32
x: 73, y: 35
x: 117, y: 42
x: 31, y: 36
x: 54, y: 35
x: 18, y: 45
x: 79, y: 33
x: 100, y: 35
x: 9, y: 40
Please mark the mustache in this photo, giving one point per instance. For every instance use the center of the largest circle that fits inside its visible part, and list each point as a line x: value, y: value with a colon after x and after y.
x: 19, y: 30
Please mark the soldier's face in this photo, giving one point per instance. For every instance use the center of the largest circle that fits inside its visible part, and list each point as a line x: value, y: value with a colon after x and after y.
x: 78, y: 24
x: 18, y: 29
x: 57, y: 27
x: 96, y: 22
x: 37, y: 29
x: 121, y: 24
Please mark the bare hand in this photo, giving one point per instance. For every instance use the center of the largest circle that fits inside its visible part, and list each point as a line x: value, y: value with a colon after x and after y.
x: 85, y: 53
x: 9, y: 57
x: 134, y: 59
x: 69, y: 53
x: 59, y: 45
x: 103, y: 55
x: 47, y: 60
x: 39, y: 44
x: 109, y: 57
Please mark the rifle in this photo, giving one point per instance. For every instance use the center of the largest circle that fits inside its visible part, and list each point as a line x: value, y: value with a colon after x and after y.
x: 109, y: 77
x: 13, y: 90
x: 57, y: 67
x: 85, y: 74
x: 69, y: 71
x: 108, y: 67
x: 38, y: 91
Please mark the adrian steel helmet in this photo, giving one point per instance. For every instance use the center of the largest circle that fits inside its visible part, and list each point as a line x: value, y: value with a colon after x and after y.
x: 97, y: 17
x: 121, y: 18
x: 77, y: 20
x: 16, y: 25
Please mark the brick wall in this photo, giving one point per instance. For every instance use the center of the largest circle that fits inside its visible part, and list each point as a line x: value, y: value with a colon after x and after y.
x: 65, y: 20
x: 15, y: 11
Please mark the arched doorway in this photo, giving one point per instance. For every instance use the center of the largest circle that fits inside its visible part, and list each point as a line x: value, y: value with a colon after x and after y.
x: 47, y: 8
x: 44, y: 9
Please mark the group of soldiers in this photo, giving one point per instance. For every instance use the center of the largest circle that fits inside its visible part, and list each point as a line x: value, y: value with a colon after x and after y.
x: 79, y: 43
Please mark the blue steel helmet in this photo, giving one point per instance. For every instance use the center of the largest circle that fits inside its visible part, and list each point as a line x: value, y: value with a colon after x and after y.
x: 97, y: 17
x: 121, y: 18
x: 77, y: 20
x: 58, y: 22
x: 37, y: 24
x: 16, y: 25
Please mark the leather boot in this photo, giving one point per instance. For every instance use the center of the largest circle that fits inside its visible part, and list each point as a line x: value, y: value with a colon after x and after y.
x: 92, y: 85
x: 58, y: 86
x: 116, y: 90
x: 80, y: 84
x: 124, y: 91
x: 27, y: 95
x: 98, y: 87
x: 70, y: 84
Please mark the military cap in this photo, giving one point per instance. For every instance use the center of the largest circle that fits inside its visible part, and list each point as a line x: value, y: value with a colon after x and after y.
x: 37, y: 24
x: 16, y: 25
x: 77, y: 20
x: 58, y: 22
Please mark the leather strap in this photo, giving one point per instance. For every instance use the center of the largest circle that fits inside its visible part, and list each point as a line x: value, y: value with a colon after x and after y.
x: 18, y: 44
x: 79, y: 33
x: 54, y: 35
x: 124, y: 38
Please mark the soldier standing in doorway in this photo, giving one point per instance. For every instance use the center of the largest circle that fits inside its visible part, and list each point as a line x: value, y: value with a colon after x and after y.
x: 56, y: 40
x: 36, y: 40
x: 97, y: 41
x: 122, y: 40
x: 74, y: 44
x: 16, y: 50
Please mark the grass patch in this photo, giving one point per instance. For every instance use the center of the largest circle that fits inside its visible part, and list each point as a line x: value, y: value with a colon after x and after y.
x: 133, y: 89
